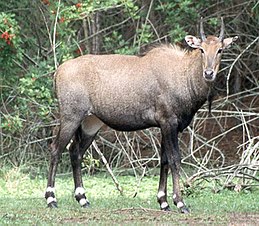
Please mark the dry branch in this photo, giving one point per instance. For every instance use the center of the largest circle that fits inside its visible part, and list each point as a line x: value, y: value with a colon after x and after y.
x: 108, y: 168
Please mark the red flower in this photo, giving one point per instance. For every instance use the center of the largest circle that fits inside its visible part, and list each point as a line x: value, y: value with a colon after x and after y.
x: 78, y: 51
x: 7, y: 37
x: 62, y: 20
x: 78, y: 5
x: 46, y: 2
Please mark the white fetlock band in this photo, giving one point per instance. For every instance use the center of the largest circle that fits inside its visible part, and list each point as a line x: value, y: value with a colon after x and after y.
x: 180, y: 205
x: 82, y: 202
x: 50, y: 189
x: 51, y: 199
x: 79, y: 191
x: 160, y: 194
x: 164, y: 205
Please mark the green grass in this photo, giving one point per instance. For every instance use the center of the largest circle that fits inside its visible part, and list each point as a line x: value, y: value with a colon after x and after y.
x: 22, y: 203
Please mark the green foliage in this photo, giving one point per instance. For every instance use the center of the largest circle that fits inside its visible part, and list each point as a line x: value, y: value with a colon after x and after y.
x: 35, y: 89
x: 12, y: 123
x: 130, y: 8
x: 116, y: 41
x: 90, y: 163
x: 178, y: 14
x: 35, y: 99
x: 144, y: 35
x: 10, y: 56
x: 10, y: 42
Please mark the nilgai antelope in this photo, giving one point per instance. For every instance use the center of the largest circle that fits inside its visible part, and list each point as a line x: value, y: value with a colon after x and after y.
x: 163, y: 88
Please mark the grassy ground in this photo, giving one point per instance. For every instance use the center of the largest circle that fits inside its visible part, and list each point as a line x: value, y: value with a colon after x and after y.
x: 22, y: 203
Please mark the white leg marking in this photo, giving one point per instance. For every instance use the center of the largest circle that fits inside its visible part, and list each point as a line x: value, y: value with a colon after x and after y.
x: 51, y: 199
x: 160, y: 194
x: 50, y: 189
x: 82, y: 202
x: 180, y: 205
x: 79, y: 191
x: 164, y: 205
x: 174, y: 196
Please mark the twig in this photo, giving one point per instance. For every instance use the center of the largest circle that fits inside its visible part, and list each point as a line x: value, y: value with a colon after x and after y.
x: 105, y: 29
x: 237, y: 58
x: 139, y: 181
x: 46, y: 24
x: 108, y: 168
x: 54, y: 36
x: 145, y: 24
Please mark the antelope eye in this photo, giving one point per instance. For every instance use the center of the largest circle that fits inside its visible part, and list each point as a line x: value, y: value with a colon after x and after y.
x: 202, y: 51
x: 220, y: 51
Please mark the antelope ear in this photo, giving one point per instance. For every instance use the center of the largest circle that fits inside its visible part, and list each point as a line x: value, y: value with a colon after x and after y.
x: 228, y: 41
x: 193, y: 41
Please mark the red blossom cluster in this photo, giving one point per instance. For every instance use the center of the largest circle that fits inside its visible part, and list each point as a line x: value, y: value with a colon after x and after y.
x: 7, y: 37
x: 78, y: 5
x: 46, y: 2
x: 62, y: 19
x: 80, y: 50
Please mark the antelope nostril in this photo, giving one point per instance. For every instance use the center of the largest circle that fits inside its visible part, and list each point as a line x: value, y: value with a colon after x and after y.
x: 208, y: 73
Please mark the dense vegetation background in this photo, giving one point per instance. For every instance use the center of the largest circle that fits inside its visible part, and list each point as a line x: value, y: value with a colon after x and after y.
x: 37, y: 36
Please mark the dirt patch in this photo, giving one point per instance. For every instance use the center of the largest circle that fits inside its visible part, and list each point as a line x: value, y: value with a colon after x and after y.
x: 243, y: 219
x: 156, y: 217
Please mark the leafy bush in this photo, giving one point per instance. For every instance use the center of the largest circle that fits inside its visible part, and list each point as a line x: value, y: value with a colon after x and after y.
x: 36, y: 88
x: 10, y: 57
x: 10, y: 41
x: 37, y: 36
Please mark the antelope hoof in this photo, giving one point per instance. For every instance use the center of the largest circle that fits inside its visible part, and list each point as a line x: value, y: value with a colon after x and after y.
x: 52, y: 205
x: 166, y: 209
x: 184, y: 210
x: 86, y: 205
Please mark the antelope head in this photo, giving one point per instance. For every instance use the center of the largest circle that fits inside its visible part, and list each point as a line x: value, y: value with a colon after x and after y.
x: 211, y: 48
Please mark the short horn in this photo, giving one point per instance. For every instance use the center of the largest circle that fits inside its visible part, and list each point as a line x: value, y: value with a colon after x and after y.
x: 203, y: 37
x: 221, y: 35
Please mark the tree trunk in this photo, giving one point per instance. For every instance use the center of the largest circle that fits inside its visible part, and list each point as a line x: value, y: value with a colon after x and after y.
x: 96, y: 44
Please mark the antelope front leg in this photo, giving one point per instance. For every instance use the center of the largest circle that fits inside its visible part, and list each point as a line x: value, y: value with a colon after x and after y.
x: 170, y: 142
x: 177, y: 198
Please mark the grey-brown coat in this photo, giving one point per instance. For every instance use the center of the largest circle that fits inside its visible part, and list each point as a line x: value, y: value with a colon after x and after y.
x: 163, y: 88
